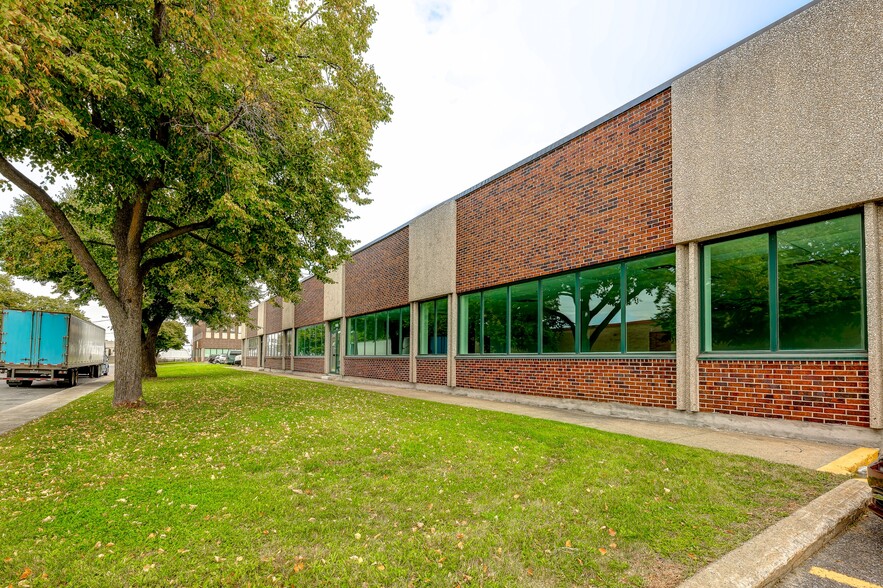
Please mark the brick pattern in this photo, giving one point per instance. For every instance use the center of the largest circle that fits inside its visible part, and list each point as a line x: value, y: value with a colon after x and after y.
x: 277, y: 363
x: 833, y: 392
x: 250, y: 361
x: 603, y: 196
x: 432, y: 371
x: 641, y: 382
x: 379, y: 368
x: 310, y: 310
x: 377, y: 277
x: 273, y: 316
x: 315, y: 365
x: 253, y: 319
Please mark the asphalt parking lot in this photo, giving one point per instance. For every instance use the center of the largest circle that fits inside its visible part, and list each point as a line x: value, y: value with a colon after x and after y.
x: 12, y: 397
x: 854, y: 559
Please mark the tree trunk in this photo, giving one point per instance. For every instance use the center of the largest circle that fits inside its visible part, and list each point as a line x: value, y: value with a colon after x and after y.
x: 127, y: 371
x: 148, y: 349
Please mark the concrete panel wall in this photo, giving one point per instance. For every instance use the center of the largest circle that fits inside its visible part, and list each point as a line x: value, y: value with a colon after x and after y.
x: 787, y: 125
x: 334, y: 295
x: 432, y: 250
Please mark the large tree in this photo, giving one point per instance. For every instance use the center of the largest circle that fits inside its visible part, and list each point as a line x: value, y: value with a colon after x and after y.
x: 244, y: 124
x: 209, y: 287
x: 12, y: 297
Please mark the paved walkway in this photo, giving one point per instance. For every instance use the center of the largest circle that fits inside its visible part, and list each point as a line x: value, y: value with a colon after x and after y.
x: 808, y: 454
x: 17, y: 407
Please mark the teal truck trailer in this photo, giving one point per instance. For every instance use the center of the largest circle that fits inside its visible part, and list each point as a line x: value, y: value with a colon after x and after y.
x: 37, y: 346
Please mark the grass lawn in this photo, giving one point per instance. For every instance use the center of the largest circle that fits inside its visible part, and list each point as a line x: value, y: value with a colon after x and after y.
x: 234, y: 478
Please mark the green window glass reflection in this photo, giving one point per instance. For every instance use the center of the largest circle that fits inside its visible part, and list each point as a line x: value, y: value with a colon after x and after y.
x: 494, y: 320
x: 820, y: 285
x: 650, y: 310
x: 601, y: 309
x: 370, y: 335
x: 395, y: 331
x: 737, y: 294
x: 524, y: 317
x: 469, y: 327
x: 559, y: 314
x: 440, y: 343
x: 405, y: 348
x: 381, y: 346
x: 434, y: 327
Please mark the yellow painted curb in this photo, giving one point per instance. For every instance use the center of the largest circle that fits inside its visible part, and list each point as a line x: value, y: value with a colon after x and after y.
x: 852, y: 461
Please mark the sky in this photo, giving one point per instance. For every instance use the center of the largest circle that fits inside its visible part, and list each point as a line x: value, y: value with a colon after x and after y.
x: 481, y: 84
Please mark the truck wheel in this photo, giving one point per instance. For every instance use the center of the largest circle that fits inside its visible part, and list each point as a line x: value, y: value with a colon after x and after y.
x: 13, y: 384
x: 25, y: 383
x: 74, y: 378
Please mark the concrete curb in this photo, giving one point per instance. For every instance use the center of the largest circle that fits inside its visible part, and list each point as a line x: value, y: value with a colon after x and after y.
x: 772, y: 554
x: 851, y: 462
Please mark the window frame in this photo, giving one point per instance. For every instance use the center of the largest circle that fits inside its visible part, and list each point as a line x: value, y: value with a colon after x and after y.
x: 314, y: 336
x: 579, y: 352
x: 775, y: 351
x: 432, y: 333
x: 352, y: 346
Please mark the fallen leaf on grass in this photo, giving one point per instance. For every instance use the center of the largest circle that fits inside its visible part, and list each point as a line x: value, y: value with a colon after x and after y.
x: 299, y: 567
x: 25, y: 574
x: 602, y: 550
x: 567, y: 543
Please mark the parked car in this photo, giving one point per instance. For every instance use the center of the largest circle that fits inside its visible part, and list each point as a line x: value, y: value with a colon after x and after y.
x: 220, y: 358
x: 875, y: 479
x: 233, y: 356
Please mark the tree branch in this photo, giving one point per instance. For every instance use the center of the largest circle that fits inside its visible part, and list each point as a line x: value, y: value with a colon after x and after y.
x: 66, y: 229
x: 159, y: 219
x: 159, y: 262
x: 174, y: 232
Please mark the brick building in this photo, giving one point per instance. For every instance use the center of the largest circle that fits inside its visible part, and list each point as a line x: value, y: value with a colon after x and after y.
x: 709, y: 253
x: 208, y: 342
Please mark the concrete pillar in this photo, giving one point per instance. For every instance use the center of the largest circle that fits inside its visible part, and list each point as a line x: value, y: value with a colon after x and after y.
x: 452, y: 340
x: 688, y: 321
x: 873, y: 254
x: 343, y: 345
x: 415, y: 340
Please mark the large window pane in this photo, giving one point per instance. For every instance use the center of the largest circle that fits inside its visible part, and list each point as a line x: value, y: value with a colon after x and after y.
x: 427, y: 325
x: 382, y: 345
x: 820, y: 285
x: 650, y: 311
x: 494, y: 321
x: 395, y: 331
x: 737, y: 290
x: 441, y: 327
x: 405, y: 348
x: 559, y: 314
x: 370, y: 334
x: 601, y: 309
x: 470, y: 323
x: 523, y: 338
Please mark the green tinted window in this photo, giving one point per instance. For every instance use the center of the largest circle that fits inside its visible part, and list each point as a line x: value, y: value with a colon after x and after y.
x: 737, y: 294
x: 559, y: 314
x: 382, y: 346
x: 650, y: 310
x: 434, y: 327
x: 494, y: 321
x: 469, y: 328
x: 395, y: 331
x: 601, y: 309
x: 821, y: 285
x: 405, y: 348
x: 524, y: 318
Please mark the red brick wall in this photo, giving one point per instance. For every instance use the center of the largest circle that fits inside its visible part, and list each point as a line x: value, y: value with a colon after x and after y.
x: 314, y: 365
x: 603, y: 196
x: 642, y: 382
x: 253, y: 319
x: 276, y: 363
x: 432, y: 371
x: 380, y: 368
x: 311, y: 308
x: 834, y: 392
x: 377, y: 277
x: 250, y: 361
x: 273, y: 316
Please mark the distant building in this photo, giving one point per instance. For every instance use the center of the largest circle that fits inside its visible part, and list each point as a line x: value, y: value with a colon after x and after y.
x: 208, y: 342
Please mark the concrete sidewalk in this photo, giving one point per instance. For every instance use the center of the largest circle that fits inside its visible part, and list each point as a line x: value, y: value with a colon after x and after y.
x: 16, y: 416
x: 808, y: 454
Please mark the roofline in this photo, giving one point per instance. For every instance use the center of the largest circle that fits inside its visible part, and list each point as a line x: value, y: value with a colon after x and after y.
x: 592, y: 125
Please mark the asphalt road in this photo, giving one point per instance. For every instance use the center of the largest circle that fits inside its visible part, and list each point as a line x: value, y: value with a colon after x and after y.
x: 11, y: 397
x: 854, y: 560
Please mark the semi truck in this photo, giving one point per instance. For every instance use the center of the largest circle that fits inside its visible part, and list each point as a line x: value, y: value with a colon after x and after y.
x: 38, y: 346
